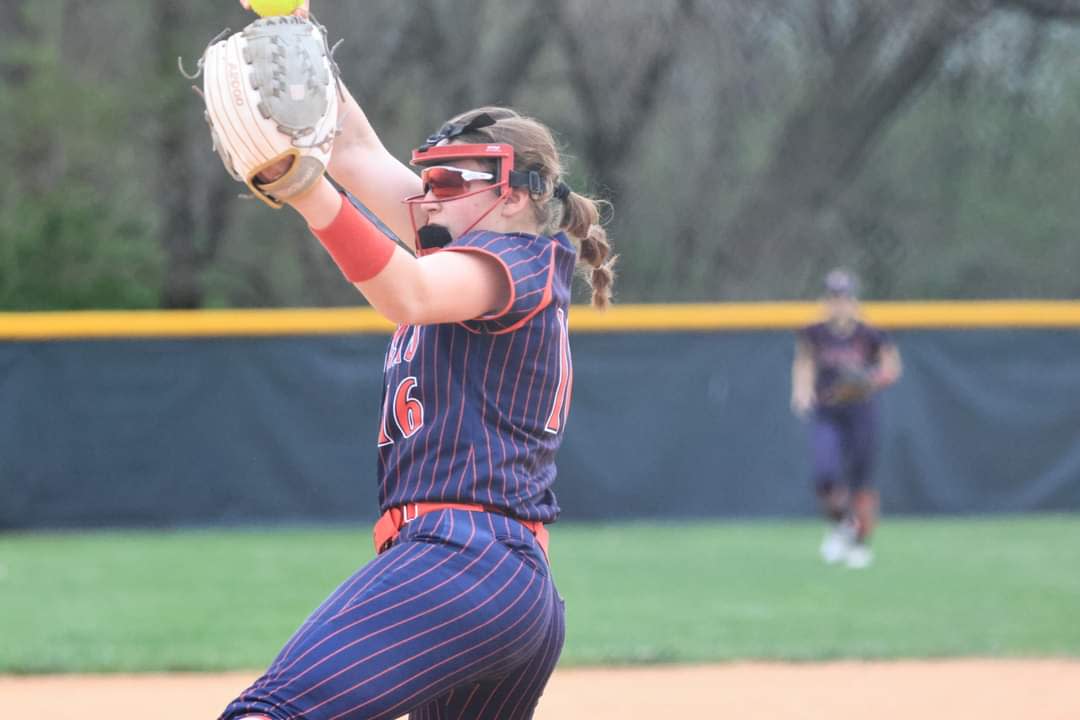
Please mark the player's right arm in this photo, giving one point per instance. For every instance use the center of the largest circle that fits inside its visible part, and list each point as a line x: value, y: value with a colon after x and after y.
x: 442, y: 287
x: 802, y: 379
x: 361, y: 164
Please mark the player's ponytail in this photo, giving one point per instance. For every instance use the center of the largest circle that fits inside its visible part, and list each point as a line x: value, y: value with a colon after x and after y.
x: 581, y: 221
x: 557, y: 207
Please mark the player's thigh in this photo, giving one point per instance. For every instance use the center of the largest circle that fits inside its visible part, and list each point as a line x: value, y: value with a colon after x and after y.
x: 417, y: 621
x: 511, y: 695
x: 862, y: 437
x: 826, y: 446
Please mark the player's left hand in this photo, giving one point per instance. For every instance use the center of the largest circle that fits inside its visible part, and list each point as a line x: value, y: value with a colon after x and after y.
x: 276, y: 142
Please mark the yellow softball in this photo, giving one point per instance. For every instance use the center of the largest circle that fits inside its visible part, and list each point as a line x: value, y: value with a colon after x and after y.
x: 270, y: 8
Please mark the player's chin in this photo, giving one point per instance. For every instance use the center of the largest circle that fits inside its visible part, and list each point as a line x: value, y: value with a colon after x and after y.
x: 434, y: 235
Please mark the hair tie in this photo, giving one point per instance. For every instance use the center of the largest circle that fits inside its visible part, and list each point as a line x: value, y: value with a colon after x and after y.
x: 562, y: 191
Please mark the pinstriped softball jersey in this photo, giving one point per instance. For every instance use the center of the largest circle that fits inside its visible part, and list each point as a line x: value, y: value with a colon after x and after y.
x: 474, y: 412
x: 460, y: 618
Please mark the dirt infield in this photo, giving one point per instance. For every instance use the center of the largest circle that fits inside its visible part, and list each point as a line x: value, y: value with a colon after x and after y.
x: 952, y: 690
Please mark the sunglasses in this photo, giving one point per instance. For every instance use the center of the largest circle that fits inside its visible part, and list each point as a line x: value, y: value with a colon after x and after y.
x: 446, y: 181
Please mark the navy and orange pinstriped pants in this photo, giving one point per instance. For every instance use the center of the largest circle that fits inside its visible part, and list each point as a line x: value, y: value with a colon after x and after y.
x: 843, y: 442
x: 459, y: 620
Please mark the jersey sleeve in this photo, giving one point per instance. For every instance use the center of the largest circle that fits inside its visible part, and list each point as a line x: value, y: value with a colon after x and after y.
x: 529, y: 264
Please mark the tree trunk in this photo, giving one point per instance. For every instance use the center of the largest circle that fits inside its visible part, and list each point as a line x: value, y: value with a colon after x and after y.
x: 194, y: 209
x: 617, y: 118
x: 824, y: 143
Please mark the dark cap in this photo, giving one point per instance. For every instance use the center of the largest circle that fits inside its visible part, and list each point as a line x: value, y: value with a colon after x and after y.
x: 840, y: 283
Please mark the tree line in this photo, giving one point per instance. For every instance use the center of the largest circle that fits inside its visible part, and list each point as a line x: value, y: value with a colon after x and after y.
x: 746, y: 145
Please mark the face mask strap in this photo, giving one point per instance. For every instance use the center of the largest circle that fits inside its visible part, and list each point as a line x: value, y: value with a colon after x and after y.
x: 449, y: 131
x: 485, y: 214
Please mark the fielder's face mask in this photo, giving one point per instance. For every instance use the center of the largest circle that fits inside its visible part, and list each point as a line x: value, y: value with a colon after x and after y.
x: 447, y: 183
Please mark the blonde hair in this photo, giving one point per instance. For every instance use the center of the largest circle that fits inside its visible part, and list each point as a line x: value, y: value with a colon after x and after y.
x: 578, y: 215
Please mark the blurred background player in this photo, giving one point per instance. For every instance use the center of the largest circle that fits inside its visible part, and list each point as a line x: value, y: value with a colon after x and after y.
x: 840, y: 365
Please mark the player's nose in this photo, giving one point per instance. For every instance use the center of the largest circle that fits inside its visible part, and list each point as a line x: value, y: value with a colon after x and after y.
x: 429, y: 204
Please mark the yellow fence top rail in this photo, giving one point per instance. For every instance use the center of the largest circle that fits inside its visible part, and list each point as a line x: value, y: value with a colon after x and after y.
x: 790, y: 315
x: 620, y: 318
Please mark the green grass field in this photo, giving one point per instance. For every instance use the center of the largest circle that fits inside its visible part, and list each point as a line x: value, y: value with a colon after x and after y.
x: 636, y: 593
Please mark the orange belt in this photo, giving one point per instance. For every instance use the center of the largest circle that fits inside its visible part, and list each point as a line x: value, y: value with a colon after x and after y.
x: 389, y: 525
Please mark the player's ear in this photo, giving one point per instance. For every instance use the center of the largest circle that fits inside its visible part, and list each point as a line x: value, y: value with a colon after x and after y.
x: 517, y: 201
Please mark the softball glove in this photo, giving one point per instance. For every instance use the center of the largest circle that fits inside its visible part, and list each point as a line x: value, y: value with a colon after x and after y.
x: 851, y: 386
x: 272, y: 94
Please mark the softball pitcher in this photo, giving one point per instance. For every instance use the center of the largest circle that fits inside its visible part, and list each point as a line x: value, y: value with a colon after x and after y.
x: 840, y: 365
x: 458, y: 615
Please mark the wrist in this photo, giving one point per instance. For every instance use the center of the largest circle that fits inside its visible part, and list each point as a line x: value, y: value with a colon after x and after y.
x: 319, y: 205
x: 360, y: 250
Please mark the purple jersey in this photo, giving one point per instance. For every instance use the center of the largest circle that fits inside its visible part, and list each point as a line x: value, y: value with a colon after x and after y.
x: 834, y: 353
x: 473, y: 412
